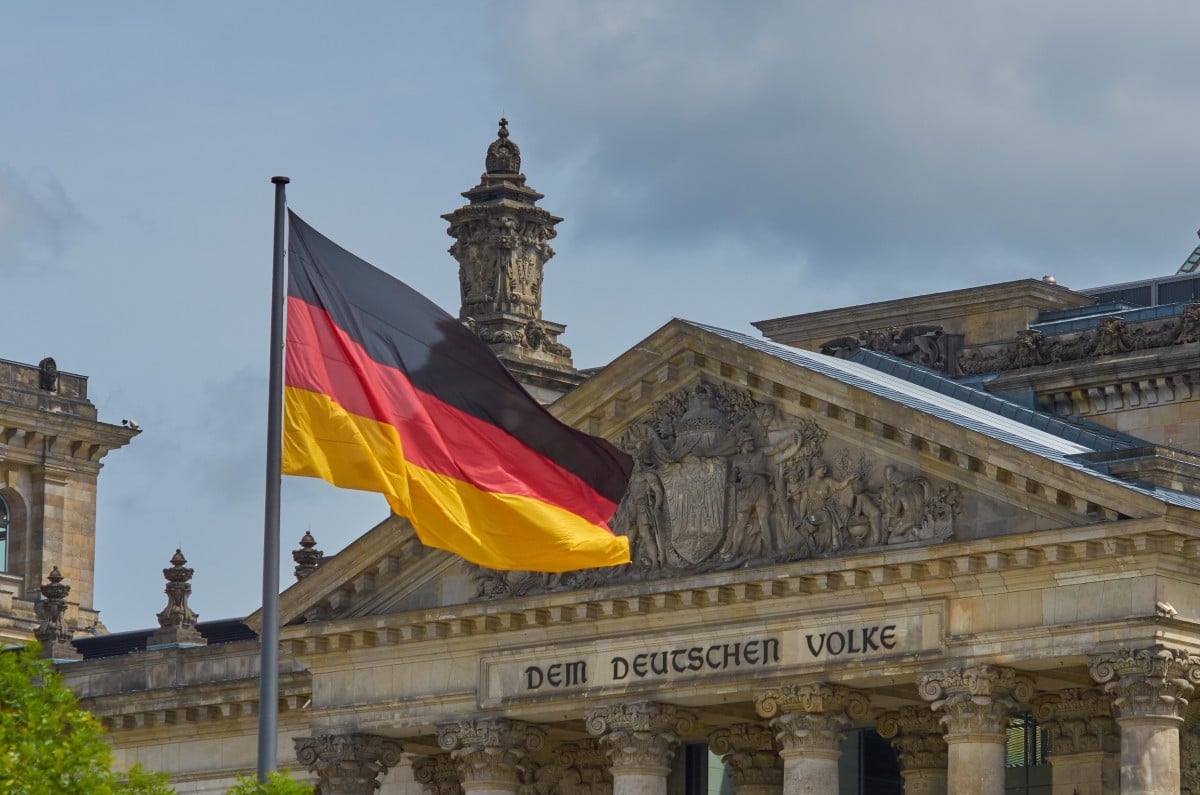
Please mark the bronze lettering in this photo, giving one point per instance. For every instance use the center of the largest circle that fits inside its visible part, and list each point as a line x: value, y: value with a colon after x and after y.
x: 655, y: 667
x: 750, y: 652
x: 868, y: 637
x: 675, y: 655
x: 576, y: 673
x: 695, y: 658
x: 887, y: 636
x: 554, y: 675
x: 708, y: 658
x: 735, y: 654
x: 841, y: 642
x: 620, y: 668
x: 770, y: 650
x: 533, y: 677
x: 639, y: 665
x: 815, y: 650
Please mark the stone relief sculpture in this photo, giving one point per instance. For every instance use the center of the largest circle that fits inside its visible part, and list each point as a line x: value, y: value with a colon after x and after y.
x: 922, y: 344
x: 1112, y: 335
x: 722, y: 481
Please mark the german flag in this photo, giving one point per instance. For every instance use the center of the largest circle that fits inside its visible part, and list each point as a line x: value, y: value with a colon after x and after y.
x: 385, y: 392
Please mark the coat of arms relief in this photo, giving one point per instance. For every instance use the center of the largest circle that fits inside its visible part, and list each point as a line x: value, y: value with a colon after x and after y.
x: 724, y: 481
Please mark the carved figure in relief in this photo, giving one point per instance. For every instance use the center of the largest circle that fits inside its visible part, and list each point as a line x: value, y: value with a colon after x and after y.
x: 903, y: 504
x: 646, y: 497
x: 828, y: 511
x: 1189, y: 325
x: 750, y: 475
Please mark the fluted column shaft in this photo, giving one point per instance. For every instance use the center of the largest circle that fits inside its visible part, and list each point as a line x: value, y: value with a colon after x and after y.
x: 640, y: 740
x: 916, y: 734
x: 1085, y: 744
x: 974, y: 705
x: 1149, y: 690
x: 491, y: 755
x: 810, y: 722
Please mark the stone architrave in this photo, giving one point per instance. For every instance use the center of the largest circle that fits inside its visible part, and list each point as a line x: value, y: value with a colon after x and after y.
x: 974, y: 704
x: 810, y: 722
x: 437, y: 775
x: 750, y: 757
x: 1149, y: 689
x: 1085, y: 744
x: 916, y: 734
x: 640, y: 740
x: 492, y: 755
x: 348, y: 764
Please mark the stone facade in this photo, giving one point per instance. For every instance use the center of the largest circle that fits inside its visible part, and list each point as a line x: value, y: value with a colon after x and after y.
x: 51, y: 446
x: 821, y: 550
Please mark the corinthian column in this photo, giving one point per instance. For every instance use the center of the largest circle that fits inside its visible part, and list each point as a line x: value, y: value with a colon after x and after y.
x: 640, y: 740
x: 1149, y: 690
x: 753, y: 764
x: 347, y: 764
x: 916, y: 734
x: 1084, y: 744
x: 810, y: 722
x: 492, y: 756
x: 974, y: 704
x: 437, y: 775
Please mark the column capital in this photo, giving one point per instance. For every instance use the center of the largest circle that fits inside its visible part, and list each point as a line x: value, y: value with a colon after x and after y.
x: 1153, y: 682
x: 640, y: 737
x: 580, y: 768
x: 974, y: 700
x: 811, y: 719
x: 1079, y: 721
x: 348, y: 764
x: 916, y: 734
x: 490, y: 753
x: 437, y: 775
x: 748, y: 751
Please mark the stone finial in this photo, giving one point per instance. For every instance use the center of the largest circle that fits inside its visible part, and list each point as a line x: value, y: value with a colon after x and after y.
x: 348, y: 763
x: 53, y: 633
x: 307, y: 557
x: 503, y: 156
x: 177, y: 621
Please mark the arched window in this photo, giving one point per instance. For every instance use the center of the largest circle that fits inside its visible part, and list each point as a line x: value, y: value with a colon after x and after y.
x: 4, y: 519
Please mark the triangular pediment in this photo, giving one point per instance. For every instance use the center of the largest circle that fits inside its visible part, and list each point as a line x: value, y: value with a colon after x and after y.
x: 750, y: 455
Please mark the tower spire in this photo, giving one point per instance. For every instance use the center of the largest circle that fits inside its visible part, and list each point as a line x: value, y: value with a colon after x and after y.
x: 502, y: 246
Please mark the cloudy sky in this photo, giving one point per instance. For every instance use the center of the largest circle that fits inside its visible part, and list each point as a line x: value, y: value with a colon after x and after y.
x: 723, y: 162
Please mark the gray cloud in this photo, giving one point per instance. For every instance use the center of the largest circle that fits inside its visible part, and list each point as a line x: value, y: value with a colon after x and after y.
x: 872, y: 135
x: 37, y: 219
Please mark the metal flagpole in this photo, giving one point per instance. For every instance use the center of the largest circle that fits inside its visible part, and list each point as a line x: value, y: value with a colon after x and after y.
x: 268, y: 685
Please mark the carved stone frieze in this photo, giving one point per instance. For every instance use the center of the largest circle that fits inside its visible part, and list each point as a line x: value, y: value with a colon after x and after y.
x: 348, y: 763
x: 1150, y: 682
x: 1112, y: 335
x: 916, y: 734
x: 975, y: 699
x: 749, y: 754
x: 640, y: 736
x: 723, y: 481
x: 923, y: 344
x: 437, y: 775
x: 1078, y: 721
x: 494, y: 750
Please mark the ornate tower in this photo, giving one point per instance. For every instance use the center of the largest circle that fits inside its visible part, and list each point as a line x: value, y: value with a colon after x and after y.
x: 502, y: 246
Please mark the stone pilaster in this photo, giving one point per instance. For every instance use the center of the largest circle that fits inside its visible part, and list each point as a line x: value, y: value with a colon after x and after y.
x: 1085, y: 744
x: 437, y: 775
x: 810, y: 722
x: 1149, y: 689
x: 974, y: 704
x: 347, y: 764
x: 640, y: 740
x: 492, y: 755
x: 916, y: 734
x: 751, y: 759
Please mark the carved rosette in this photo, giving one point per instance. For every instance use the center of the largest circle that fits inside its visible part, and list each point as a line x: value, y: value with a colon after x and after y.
x: 491, y: 753
x: 1078, y: 721
x: 348, y: 763
x: 748, y: 751
x: 1147, y: 683
x: 916, y: 734
x: 975, y: 700
x: 811, y: 717
x: 437, y: 775
x: 640, y: 738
